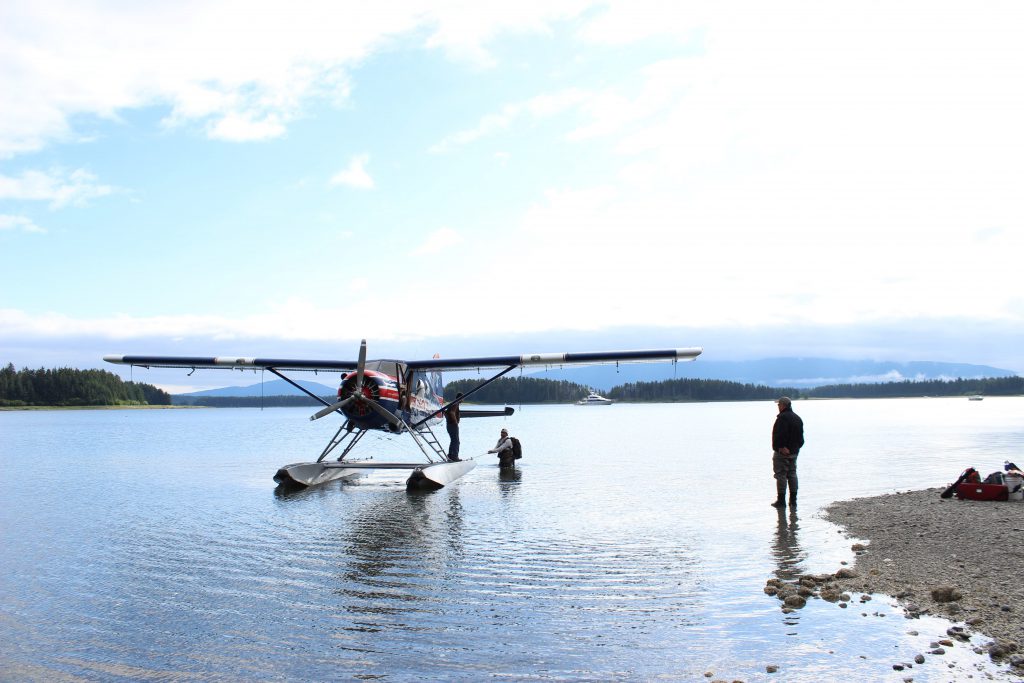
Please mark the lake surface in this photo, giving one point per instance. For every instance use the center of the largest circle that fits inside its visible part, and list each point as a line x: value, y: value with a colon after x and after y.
x: 633, y: 544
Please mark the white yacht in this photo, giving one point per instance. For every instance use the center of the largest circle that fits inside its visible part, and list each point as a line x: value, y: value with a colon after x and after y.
x: 594, y: 399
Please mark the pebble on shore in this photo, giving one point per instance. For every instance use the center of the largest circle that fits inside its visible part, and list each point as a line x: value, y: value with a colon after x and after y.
x: 957, y: 559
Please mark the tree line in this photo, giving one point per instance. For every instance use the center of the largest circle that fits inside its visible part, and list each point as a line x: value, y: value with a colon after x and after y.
x: 681, y: 390
x: 69, y: 387
x: 716, y: 390
x: 513, y: 390
x: 989, y: 386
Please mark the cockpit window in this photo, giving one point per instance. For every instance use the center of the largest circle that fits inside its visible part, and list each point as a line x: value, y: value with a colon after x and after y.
x: 388, y: 367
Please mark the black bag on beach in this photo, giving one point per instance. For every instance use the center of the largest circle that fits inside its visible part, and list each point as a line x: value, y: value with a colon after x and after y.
x: 970, y: 474
x: 994, y: 478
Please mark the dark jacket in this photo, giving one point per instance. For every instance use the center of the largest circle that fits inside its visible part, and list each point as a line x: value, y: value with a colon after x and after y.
x: 788, y: 432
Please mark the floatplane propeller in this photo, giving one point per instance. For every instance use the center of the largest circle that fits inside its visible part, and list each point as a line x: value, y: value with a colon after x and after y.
x: 396, y: 396
x: 360, y: 393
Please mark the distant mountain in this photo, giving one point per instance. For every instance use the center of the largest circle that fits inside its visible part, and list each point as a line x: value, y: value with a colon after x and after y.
x: 277, y: 387
x: 777, y: 372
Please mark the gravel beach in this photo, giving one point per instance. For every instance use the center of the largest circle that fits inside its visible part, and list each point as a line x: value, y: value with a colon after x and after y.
x: 960, y: 559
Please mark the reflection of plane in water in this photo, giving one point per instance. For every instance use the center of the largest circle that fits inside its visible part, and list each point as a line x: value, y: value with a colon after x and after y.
x: 786, y: 549
x: 392, y: 545
x: 397, y: 397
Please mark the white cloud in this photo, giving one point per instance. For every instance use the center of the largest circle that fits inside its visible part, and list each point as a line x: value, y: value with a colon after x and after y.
x: 242, y: 70
x: 56, y: 186
x: 8, y: 222
x: 536, y: 108
x: 438, y: 241
x: 237, y: 127
x: 355, y: 174
x: 462, y: 29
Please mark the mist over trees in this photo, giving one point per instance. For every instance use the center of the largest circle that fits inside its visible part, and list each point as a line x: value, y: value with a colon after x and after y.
x: 69, y: 387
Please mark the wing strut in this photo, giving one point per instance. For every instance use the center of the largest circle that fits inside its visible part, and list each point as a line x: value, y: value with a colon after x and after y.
x: 298, y: 386
x: 466, y: 395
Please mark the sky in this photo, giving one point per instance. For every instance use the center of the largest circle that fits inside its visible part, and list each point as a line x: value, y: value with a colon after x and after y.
x: 268, y: 179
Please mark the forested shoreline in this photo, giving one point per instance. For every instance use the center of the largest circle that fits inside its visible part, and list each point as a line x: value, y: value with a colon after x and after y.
x: 681, y: 390
x: 66, y: 387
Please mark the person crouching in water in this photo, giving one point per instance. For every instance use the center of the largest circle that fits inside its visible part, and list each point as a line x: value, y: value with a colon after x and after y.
x: 506, y: 459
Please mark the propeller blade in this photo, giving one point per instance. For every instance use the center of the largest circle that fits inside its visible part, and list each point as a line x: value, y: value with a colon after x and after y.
x: 331, y: 408
x: 361, y: 366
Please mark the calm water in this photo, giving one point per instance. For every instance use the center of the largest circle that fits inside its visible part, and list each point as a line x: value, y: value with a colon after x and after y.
x: 633, y: 544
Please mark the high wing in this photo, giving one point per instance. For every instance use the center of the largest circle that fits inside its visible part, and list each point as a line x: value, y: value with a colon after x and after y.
x: 528, y: 359
x: 231, y: 362
x: 557, y: 359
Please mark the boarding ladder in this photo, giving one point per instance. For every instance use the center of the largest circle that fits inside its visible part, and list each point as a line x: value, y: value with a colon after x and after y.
x: 424, y: 438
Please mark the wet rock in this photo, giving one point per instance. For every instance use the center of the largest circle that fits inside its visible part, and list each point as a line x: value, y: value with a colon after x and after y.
x: 771, y: 590
x: 1017, y: 661
x: 946, y: 594
x: 898, y: 667
x: 938, y: 651
x: 846, y: 573
x: 946, y: 642
x: 772, y: 668
x: 959, y: 633
x: 830, y: 595
x: 805, y: 592
x: 919, y: 659
x: 845, y: 597
x: 795, y: 602
x: 857, y: 547
x: 1001, y: 648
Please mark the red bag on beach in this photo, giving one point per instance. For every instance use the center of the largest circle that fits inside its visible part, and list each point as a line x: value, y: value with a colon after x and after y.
x: 969, y: 491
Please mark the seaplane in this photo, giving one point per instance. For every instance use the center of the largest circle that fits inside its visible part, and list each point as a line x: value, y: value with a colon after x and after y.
x: 396, y: 396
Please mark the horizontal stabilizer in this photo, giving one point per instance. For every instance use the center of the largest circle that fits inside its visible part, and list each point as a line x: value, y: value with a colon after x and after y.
x: 466, y: 412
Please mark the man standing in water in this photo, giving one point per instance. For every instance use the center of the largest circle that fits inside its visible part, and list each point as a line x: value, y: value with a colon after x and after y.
x: 451, y: 422
x: 506, y: 456
x: 787, y: 440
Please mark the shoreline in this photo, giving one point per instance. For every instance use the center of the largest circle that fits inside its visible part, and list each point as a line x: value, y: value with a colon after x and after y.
x: 957, y: 559
x: 146, y: 407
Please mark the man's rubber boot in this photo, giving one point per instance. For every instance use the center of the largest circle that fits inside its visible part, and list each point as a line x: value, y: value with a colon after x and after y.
x: 780, y: 489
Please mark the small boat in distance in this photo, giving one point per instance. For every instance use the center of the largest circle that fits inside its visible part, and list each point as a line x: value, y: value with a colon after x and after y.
x: 594, y: 399
x: 976, y: 398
